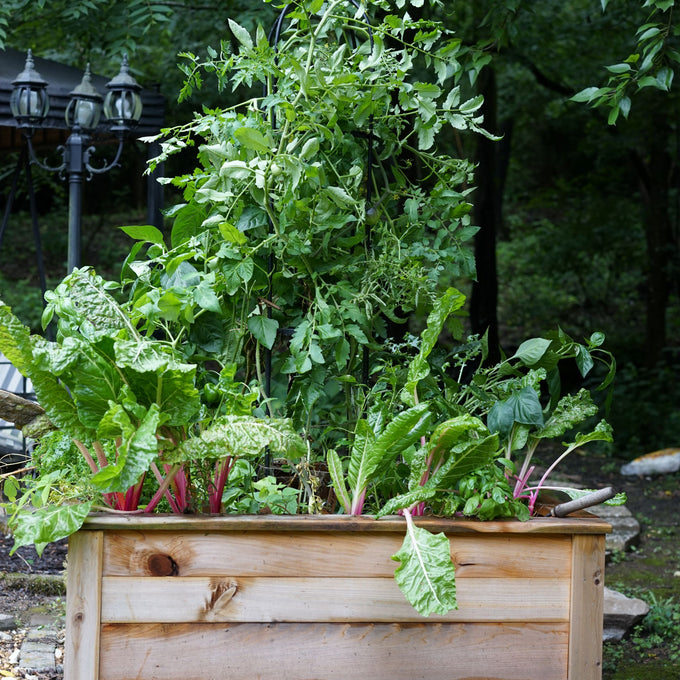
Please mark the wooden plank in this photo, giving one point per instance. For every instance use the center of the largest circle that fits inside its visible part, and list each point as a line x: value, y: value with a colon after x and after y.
x: 587, y: 605
x: 196, y: 599
x: 334, y: 652
x: 83, y: 604
x: 164, y: 553
x: 540, y: 525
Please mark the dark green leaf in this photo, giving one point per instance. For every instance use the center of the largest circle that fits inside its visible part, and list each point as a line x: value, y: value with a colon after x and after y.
x: 264, y: 329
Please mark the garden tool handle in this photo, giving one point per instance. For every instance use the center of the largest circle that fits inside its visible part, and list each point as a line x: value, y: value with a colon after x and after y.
x: 594, y: 498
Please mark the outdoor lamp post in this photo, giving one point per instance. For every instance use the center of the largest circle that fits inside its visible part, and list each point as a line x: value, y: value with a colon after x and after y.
x: 122, y: 108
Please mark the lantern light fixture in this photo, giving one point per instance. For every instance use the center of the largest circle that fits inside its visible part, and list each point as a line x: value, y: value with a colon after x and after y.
x: 123, y: 103
x: 85, y: 106
x: 29, y: 101
x: 122, y: 107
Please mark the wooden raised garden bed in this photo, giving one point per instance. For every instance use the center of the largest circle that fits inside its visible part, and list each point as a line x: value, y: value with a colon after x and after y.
x: 306, y: 597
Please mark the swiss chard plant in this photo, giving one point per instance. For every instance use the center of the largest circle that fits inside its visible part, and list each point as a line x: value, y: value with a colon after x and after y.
x: 134, y: 408
x: 467, y: 445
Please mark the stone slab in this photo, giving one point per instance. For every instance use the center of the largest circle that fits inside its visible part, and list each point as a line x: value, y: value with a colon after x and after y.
x: 37, y: 656
x: 37, y: 650
x: 661, y: 462
x: 625, y: 528
x: 621, y: 613
x: 7, y: 622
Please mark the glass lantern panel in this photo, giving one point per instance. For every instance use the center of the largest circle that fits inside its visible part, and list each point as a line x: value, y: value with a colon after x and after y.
x: 83, y: 112
x: 26, y: 102
x: 123, y: 106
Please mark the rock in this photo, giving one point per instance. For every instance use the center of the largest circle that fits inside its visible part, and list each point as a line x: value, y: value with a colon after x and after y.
x: 7, y: 622
x: 39, y: 645
x: 37, y: 656
x: 621, y: 613
x: 625, y: 528
x: 656, y: 463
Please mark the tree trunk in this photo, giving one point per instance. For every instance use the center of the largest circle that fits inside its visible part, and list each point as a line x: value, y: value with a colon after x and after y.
x: 487, y: 214
x: 654, y: 173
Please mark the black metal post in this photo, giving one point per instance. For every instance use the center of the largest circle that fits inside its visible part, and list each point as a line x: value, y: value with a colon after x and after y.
x: 75, y: 163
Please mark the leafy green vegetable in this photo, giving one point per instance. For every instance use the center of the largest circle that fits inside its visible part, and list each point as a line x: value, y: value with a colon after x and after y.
x: 426, y: 573
x: 44, y: 525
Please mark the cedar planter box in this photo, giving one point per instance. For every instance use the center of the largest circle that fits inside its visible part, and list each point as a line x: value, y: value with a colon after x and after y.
x: 307, y: 597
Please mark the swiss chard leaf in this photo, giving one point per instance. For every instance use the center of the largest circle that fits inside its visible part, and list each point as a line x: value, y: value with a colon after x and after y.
x: 242, y: 436
x: 601, y: 433
x: 173, y: 391
x: 465, y: 459
x: 15, y: 341
x: 138, y: 447
x: 570, y: 411
x: 46, y: 524
x: 619, y: 499
x: 419, y: 369
x: 82, y: 303
x: 458, y: 447
x: 426, y: 575
x: 407, y: 500
x: 370, y: 453
x: 338, y: 478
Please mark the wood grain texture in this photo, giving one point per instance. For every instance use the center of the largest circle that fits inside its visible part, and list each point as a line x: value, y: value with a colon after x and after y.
x: 334, y: 652
x: 262, y: 599
x: 587, y: 605
x: 266, y: 600
x: 257, y: 553
x: 541, y: 525
x: 83, y: 603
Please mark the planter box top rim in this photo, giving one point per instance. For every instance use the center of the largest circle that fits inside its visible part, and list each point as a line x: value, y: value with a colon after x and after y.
x: 587, y: 524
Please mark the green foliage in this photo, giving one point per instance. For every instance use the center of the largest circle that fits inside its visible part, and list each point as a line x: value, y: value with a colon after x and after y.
x: 426, y: 574
x: 44, y: 509
x: 130, y: 403
x: 652, y: 394
x: 652, y: 63
x: 576, y: 281
x: 320, y: 216
x: 283, y: 178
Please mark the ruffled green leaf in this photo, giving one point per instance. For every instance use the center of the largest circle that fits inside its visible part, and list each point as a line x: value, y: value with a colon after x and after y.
x: 49, y: 523
x: 242, y: 436
x: 426, y: 575
x: 571, y: 410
